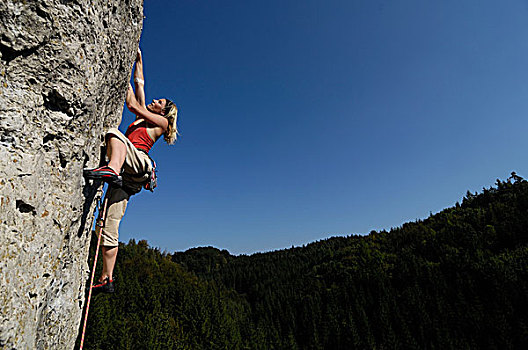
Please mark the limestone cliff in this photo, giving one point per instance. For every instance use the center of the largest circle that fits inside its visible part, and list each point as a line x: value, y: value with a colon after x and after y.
x: 64, y: 70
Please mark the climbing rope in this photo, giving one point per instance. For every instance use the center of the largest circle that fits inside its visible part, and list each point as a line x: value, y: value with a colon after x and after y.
x: 101, y: 204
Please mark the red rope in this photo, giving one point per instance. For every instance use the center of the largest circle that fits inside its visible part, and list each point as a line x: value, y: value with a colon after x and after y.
x: 100, y: 225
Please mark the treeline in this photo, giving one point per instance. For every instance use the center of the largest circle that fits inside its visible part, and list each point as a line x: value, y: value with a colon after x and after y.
x: 456, y: 280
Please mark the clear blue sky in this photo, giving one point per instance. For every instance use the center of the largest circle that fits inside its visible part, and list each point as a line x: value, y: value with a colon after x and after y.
x: 302, y: 120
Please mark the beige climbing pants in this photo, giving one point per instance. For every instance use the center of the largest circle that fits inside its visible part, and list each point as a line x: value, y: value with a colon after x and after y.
x: 136, y: 162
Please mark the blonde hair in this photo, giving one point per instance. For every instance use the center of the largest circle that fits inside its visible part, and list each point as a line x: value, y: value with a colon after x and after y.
x: 171, y: 134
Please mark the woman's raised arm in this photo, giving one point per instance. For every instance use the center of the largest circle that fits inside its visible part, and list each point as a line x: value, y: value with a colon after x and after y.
x: 139, y: 80
x: 141, y: 111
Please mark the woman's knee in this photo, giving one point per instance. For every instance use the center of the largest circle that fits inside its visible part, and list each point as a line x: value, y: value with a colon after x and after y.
x: 114, y: 133
x: 113, y: 142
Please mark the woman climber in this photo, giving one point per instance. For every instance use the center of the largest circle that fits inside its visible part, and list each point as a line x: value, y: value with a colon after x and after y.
x: 129, y: 165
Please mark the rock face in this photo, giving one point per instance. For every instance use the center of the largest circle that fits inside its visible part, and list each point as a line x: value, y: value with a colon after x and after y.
x: 64, y: 70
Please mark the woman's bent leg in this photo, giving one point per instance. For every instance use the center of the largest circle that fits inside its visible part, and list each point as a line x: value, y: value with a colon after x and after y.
x: 116, y: 152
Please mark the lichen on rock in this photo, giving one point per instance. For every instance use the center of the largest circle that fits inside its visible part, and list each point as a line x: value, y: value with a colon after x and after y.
x: 64, y: 70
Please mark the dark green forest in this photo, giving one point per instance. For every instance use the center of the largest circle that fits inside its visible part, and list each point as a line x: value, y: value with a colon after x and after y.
x: 456, y: 280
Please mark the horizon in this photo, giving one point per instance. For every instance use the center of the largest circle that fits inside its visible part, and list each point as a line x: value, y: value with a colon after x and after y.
x: 303, y: 245
x: 301, y: 122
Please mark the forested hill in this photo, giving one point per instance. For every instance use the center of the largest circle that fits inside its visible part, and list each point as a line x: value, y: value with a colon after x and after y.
x: 456, y: 280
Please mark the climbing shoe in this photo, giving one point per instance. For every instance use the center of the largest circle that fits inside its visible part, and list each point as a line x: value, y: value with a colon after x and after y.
x: 106, y: 286
x: 104, y: 173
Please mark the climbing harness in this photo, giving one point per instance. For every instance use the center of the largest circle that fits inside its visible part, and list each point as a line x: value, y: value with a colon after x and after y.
x: 152, y: 181
x: 102, y: 205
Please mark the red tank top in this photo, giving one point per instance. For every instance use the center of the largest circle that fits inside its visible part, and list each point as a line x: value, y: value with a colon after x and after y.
x: 137, y: 134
